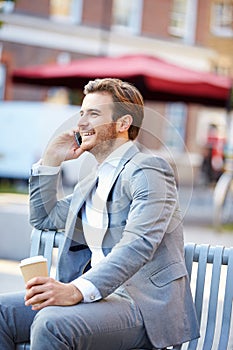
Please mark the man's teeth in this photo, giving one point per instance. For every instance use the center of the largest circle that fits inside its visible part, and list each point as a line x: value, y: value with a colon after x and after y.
x: 88, y: 133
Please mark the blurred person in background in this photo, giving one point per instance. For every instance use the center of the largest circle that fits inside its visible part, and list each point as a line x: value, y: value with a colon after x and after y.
x: 213, y: 157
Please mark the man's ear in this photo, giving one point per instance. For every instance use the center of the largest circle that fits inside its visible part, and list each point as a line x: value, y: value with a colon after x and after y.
x: 124, y: 122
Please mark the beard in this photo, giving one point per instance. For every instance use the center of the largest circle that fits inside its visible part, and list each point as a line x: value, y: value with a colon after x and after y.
x: 105, y: 140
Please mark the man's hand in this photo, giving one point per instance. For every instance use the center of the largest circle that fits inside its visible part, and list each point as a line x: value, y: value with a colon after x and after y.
x: 46, y: 291
x: 61, y: 148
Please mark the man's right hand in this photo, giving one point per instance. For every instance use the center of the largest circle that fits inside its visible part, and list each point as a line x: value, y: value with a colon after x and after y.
x: 63, y: 147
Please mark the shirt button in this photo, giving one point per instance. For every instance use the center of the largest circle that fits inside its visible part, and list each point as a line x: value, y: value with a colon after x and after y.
x: 92, y: 297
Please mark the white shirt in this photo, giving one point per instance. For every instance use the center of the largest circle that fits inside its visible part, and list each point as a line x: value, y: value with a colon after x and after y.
x: 93, y: 219
x: 92, y: 215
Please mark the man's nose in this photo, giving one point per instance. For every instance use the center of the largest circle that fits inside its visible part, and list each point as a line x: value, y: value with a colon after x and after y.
x: 83, y: 121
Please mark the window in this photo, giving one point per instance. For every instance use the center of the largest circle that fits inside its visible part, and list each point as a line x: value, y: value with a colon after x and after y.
x: 178, y: 18
x: 175, y: 128
x: 127, y: 16
x: 66, y: 10
x: 183, y: 20
x: 222, y: 18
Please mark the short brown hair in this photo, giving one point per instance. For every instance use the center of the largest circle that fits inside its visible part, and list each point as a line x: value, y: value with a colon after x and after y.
x: 126, y: 97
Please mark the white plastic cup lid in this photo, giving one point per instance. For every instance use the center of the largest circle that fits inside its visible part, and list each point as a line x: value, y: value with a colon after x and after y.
x: 33, y: 259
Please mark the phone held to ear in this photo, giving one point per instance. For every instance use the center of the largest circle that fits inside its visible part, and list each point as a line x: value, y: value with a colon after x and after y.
x: 78, y: 138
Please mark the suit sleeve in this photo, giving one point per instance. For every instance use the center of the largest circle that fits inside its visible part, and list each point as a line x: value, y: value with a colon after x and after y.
x: 46, y: 210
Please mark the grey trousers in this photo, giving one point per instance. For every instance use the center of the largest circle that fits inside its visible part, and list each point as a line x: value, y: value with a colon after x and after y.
x: 114, y: 323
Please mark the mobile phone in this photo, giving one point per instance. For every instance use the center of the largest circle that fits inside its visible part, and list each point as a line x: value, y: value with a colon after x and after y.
x: 78, y: 138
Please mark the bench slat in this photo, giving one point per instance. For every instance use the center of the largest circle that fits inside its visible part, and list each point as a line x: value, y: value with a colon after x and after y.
x: 227, y: 306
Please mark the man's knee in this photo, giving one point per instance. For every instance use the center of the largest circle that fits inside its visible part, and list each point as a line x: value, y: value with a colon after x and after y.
x: 44, y: 322
x: 48, y: 330
x: 59, y: 329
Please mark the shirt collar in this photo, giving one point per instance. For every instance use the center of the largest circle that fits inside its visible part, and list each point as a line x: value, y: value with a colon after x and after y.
x: 115, y: 157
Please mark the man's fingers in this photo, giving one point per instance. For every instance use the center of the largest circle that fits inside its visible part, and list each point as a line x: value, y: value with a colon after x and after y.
x: 37, y: 281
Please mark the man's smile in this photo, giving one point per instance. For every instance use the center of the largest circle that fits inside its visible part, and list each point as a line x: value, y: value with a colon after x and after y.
x: 88, y: 133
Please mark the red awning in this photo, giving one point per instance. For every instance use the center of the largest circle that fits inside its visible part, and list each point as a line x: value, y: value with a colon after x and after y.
x: 156, y: 78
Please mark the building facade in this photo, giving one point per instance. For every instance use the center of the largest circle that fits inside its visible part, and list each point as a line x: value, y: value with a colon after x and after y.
x: 196, y: 34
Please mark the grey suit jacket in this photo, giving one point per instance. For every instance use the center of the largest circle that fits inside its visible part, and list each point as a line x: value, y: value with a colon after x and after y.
x: 143, y: 243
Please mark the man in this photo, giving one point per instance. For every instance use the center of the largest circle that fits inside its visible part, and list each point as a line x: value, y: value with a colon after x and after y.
x: 122, y: 277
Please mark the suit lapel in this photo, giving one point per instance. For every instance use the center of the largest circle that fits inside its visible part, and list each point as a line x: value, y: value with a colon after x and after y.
x: 125, y: 159
x: 80, y: 194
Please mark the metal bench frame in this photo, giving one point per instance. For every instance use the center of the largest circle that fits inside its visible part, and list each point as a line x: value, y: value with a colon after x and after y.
x: 210, y: 270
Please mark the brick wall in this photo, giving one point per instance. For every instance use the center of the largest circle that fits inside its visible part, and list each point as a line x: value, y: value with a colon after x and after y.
x: 203, y: 22
x: 156, y: 18
x: 97, y: 13
x: 37, y: 8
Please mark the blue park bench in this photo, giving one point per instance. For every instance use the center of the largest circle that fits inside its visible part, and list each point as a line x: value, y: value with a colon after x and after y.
x: 211, y: 276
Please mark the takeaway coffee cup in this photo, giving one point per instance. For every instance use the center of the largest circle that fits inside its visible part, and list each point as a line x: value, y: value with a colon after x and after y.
x: 34, y: 267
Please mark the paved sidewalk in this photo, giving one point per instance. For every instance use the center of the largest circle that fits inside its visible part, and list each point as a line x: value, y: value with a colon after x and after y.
x: 10, y: 276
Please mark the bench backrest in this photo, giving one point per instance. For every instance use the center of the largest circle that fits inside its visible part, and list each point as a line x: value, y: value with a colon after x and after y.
x: 211, y: 276
x: 44, y: 242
